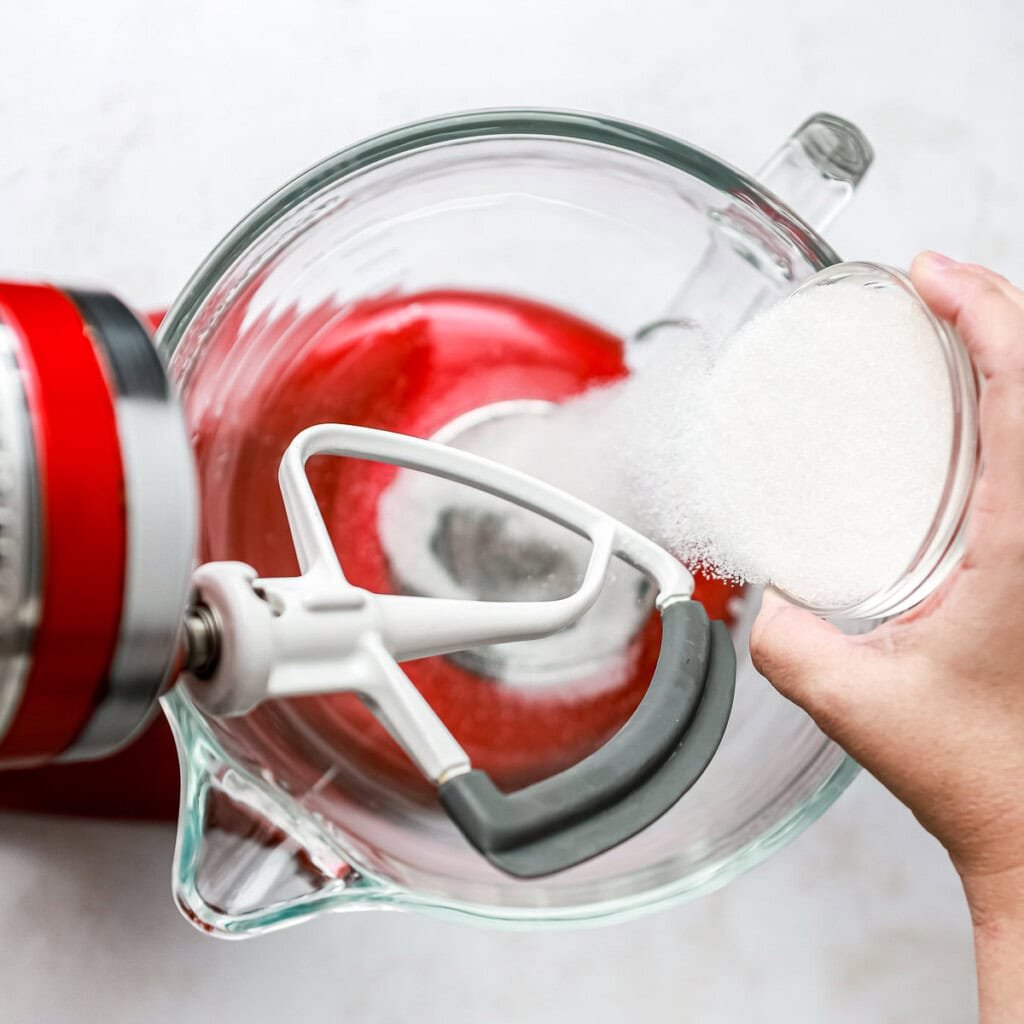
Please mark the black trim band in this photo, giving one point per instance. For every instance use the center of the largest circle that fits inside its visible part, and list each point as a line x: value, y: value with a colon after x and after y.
x: 127, y: 345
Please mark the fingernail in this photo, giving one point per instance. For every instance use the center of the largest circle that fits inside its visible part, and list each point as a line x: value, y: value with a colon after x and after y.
x: 937, y: 261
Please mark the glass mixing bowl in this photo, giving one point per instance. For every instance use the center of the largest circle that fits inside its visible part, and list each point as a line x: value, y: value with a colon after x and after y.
x: 469, y: 263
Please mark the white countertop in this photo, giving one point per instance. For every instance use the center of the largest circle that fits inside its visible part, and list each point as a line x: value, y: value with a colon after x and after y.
x: 136, y: 134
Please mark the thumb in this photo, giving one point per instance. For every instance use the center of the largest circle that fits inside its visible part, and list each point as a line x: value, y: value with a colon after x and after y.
x: 807, y: 659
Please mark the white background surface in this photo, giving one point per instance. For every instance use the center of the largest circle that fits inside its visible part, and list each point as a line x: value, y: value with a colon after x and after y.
x: 134, y: 134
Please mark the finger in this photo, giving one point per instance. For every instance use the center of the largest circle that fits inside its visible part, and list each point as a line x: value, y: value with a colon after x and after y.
x: 997, y: 508
x: 998, y: 280
x: 800, y: 655
x: 989, y: 315
x: 985, y: 308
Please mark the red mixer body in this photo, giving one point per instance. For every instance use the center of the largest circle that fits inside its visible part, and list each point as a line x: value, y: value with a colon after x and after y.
x: 140, y: 782
x: 81, y: 484
x: 86, y: 548
x: 408, y: 364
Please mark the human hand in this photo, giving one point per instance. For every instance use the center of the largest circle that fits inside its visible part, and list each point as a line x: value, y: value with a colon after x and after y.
x: 932, y: 702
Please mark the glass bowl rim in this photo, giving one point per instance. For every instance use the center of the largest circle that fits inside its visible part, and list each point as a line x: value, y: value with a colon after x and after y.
x: 475, y: 125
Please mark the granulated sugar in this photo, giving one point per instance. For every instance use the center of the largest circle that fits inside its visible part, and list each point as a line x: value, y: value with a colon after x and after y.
x: 810, y: 452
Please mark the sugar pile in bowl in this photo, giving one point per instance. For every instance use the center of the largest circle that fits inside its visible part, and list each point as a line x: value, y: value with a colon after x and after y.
x: 809, y: 451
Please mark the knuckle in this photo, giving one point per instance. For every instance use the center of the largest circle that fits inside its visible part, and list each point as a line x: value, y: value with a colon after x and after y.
x: 825, y: 701
x: 992, y: 325
x: 773, y: 656
x: 764, y: 647
x: 987, y: 298
x: 984, y: 273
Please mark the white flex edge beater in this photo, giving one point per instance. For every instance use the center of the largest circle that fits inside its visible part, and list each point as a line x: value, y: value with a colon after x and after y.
x: 251, y: 639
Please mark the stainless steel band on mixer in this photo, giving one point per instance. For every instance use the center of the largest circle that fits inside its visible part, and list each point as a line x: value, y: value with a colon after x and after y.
x: 161, y: 517
x: 97, y: 523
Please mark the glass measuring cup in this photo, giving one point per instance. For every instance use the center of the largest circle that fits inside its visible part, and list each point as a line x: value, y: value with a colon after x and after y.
x: 300, y: 807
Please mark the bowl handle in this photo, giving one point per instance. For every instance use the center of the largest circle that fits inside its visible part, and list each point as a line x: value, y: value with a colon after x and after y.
x: 814, y: 173
x: 817, y: 169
